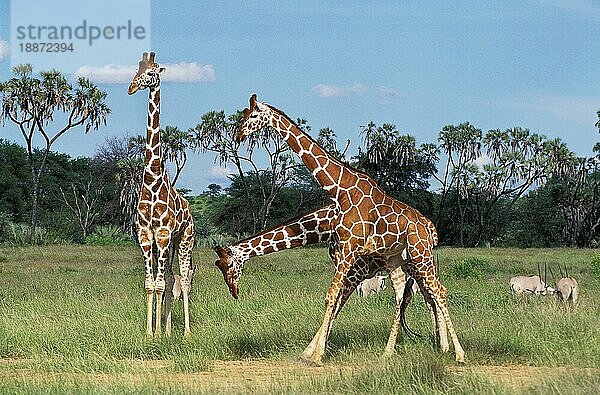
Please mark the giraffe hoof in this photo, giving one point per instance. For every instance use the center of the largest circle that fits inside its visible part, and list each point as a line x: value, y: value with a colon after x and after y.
x: 387, y: 354
x: 311, y: 362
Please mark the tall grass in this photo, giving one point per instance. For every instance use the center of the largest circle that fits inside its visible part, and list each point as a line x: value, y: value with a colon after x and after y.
x: 79, y: 310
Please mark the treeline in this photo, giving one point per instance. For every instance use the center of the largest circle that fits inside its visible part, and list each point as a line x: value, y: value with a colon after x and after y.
x: 499, y: 188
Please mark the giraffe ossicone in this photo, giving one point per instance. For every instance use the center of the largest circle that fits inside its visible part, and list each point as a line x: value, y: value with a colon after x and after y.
x: 163, y: 219
x: 368, y: 223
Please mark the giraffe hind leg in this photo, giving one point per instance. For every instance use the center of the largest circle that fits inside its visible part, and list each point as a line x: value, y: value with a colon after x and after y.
x: 426, y: 276
x: 185, y: 248
x: 442, y: 310
x: 163, y: 240
x: 397, y: 278
x: 168, y: 295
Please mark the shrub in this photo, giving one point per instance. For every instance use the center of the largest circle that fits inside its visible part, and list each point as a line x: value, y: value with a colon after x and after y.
x: 108, y: 235
x: 18, y: 235
x: 468, y: 268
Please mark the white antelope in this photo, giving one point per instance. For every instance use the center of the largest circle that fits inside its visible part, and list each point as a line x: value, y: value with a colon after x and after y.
x: 567, y: 289
x: 530, y: 284
x: 371, y: 286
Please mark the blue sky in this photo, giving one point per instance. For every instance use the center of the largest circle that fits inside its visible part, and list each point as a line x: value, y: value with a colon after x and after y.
x: 419, y: 65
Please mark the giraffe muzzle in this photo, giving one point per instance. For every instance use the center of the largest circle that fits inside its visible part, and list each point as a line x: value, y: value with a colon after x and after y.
x: 132, y: 89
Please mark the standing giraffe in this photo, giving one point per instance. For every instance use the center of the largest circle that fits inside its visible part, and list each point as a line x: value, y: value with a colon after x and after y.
x: 314, y: 227
x: 163, y: 216
x: 368, y: 222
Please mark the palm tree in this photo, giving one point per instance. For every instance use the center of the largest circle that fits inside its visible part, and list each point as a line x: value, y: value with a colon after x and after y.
x: 175, y: 143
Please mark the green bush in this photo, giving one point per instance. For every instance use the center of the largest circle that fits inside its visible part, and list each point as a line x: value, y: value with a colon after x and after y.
x: 468, y: 268
x: 108, y: 235
x: 18, y: 235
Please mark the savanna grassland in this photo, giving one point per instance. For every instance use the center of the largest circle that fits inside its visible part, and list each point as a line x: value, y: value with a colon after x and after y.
x: 72, y: 320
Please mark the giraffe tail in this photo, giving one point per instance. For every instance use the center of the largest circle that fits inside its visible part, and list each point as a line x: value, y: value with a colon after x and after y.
x: 406, y: 299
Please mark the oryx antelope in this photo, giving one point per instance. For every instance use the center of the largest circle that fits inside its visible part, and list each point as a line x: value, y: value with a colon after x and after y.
x: 567, y: 289
x: 371, y: 286
x: 531, y: 284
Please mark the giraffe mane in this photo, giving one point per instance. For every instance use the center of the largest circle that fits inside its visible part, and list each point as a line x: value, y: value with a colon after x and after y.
x: 290, y: 221
x: 332, y: 158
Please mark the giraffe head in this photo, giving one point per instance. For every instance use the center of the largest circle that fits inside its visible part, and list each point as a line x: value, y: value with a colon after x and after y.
x: 231, y: 266
x: 256, y: 117
x: 147, y: 75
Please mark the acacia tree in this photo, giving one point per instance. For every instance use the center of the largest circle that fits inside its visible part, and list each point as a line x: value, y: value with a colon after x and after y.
x: 215, y: 133
x: 123, y: 158
x: 82, y: 200
x: 580, y: 199
x: 33, y: 102
x: 516, y: 161
x: 461, y: 146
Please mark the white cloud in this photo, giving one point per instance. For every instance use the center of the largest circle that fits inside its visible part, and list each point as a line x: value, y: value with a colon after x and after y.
x: 189, y: 72
x: 482, y: 160
x: 107, y: 74
x: 4, y: 49
x: 579, y: 109
x: 218, y: 173
x: 183, y: 72
x: 329, y: 91
x: 383, y: 94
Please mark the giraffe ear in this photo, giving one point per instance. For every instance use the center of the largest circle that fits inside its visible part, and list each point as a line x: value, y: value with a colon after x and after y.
x: 161, y: 70
x: 221, y: 252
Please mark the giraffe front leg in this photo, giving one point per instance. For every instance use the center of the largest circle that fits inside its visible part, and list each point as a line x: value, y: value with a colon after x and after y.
x: 333, y: 302
x: 163, y: 239
x: 145, y: 242
x: 185, y: 258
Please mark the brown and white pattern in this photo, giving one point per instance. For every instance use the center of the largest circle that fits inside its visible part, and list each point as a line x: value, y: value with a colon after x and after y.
x: 368, y: 222
x: 314, y: 227
x: 163, y: 216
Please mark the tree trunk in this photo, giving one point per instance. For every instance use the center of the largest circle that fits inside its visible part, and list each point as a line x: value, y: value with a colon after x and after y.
x: 34, y: 204
x: 36, y: 177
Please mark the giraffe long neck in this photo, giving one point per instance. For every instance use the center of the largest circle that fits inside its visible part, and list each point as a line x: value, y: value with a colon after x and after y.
x: 308, y: 229
x: 154, y: 162
x: 329, y: 172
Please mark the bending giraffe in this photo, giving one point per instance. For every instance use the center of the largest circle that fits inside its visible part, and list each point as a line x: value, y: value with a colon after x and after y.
x: 368, y: 222
x: 314, y: 227
x: 163, y: 217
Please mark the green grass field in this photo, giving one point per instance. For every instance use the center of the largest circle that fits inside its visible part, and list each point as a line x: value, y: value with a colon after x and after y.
x: 72, y: 319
